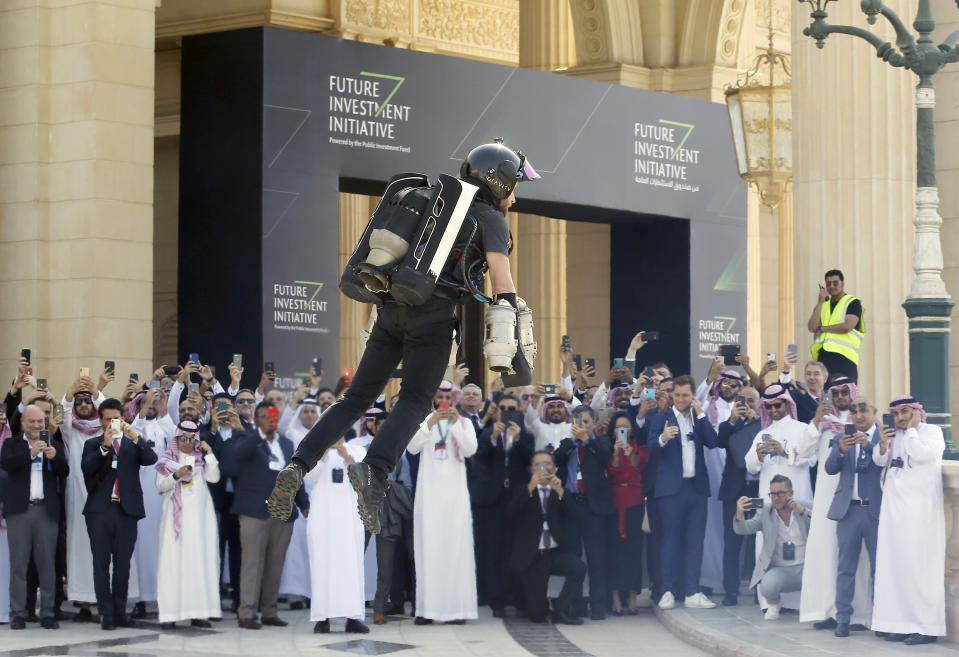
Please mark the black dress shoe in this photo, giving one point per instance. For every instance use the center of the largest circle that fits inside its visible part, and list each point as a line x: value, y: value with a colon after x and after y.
x: 458, y: 621
x: 49, y: 623
x: 166, y: 627
x: 631, y: 612
x: 918, y: 639
x: 561, y: 618
x: 107, y: 624
x: 396, y: 610
x: 122, y: 620
x: 275, y: 621
x: 842, y: 629
x: 881, y: 635
x: 83, y: 616
x: 858, y: 627
x: 892, y: 636
x: 371, y: 485
x: 499, y: 612
x: 354, y: 626
x: 828, y: 624
x: 730, y: 601
x: 18, y: 623
x: 59, y: 614
x: 200, y: 622
x: 419, y: 620
x: 139, y: 611
x: 597, y: 615
x: 296, y: 606
x: 32, y: 618
x: 322, y: 627
x: 616, y: 612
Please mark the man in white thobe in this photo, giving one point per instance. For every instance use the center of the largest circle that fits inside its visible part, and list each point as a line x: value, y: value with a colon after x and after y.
x: 80, y: 421
x: 335, y: 537
x: 442, y: 523
x: 157, y: 428
x: 775, y: 451
x: 910, y: 603
x: 818, y: 598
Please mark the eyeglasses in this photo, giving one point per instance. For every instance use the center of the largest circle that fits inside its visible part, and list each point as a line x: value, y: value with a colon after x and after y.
x: 861, y: 407
x: 782, y: 493
x: 774, y: 406
x: 729, y: 384
x: 507, y: 408
x: 187, y: 439
x: 81, y: 402
x: 526, y: 397
x: 245, y: 401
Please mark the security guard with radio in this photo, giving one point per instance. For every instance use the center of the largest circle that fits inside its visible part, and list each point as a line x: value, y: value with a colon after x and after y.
x: 838, y: 325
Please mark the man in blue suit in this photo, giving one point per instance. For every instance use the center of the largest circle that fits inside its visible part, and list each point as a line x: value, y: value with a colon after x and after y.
x: 111, y: 465
x: 676, y: 441
x: 856, y: 503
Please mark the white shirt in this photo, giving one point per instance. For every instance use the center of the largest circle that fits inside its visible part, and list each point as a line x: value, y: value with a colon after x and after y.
x: 788, y: 533
x: 543, y: 494
x: 275, y: 449
x: 685, y: 423
x: 36, y: 475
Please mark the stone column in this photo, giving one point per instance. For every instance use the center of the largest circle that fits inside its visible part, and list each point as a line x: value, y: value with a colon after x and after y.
x: 76, y: 186
x: 541, y: 280
x: 545, y: 35
x: 787, y: 282
x: 355, y: 210
x: 854, y: 175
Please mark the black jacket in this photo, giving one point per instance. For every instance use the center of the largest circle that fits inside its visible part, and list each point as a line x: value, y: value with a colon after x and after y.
x: 596, y: 455
x: 491, y: 460
x: 130, y: 459
x: 255, y: 479
x: 223, y: 450
x: 734, y: 477
x: 15, y: 459
x: 526, y: 513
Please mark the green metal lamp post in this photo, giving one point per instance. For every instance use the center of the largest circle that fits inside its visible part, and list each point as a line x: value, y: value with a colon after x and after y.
x: 928, y: 305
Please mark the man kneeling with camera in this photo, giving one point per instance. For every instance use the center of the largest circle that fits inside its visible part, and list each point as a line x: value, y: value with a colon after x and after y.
x: 785, y: 525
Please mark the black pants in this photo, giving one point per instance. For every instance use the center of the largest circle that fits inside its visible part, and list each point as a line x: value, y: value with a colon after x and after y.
x: 654, y: 544
x: 536, y: 581
x: 420, y: 336
x: 591, y: 528
x: 230, y: 540
x: 491, y: 534
x: 626, y: 554
x: 733, y: 542
x: 113, y: 534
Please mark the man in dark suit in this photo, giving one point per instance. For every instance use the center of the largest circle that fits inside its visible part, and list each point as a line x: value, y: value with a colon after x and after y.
x: 736, y: 436
x: 36, y: 469
x: 225, y: 424
x: 581, y: 462
x: 503, y: 452
x: 259, y: 455
x: 855, y: 504
x: 676, y: 440
x: 545, y: 542
x: 111, y: 469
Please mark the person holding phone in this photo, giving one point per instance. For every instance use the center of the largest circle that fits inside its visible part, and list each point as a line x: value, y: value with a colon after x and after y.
x: 551, y: 421
x: 910, y: 596
x: 677, y: 439
x: 736, y: 436
x: 784, y: 524
x: 582, y: 460
x: 36, y: 470
x: 838, y: 325
x: 818, y: 600
x: 189, y: 553
x: 442, y: 523
x: 625, y: 540
x: 111, y: 463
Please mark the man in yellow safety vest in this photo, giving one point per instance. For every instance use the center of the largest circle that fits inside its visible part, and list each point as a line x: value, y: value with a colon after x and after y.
x: 838, y: 327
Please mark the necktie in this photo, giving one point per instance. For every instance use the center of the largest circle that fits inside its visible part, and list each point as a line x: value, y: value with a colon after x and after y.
x: 861, y: 465
x: 579, y: 468
x: 544, y: 500
x: 116, y: 479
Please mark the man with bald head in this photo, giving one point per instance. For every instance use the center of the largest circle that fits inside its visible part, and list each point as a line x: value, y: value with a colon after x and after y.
x: 36, y: 472
x: 855, y: 506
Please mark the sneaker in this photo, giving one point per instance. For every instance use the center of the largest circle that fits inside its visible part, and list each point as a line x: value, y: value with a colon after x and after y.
x: 288, y: 482
x: 371, y: 486
x: 772, y: 612
x: 699, y: 601
x: 667, y: 601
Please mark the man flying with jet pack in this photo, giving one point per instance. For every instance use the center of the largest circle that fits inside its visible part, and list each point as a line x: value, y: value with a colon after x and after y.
x: 424, y: 249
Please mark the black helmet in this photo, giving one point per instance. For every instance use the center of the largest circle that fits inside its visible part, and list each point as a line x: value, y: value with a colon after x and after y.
x: 497, y: 167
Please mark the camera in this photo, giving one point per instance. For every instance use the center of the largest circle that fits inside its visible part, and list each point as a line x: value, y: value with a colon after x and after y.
x: 541, y: 466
